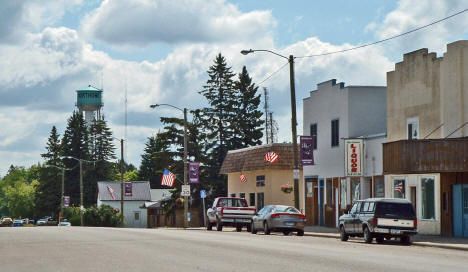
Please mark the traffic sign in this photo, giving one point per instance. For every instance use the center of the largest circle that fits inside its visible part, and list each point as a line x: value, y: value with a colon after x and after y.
x: 202, y: 194
x: 296, y: 173
x: 185, y: 190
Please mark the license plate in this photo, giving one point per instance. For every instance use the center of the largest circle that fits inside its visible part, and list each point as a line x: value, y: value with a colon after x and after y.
x: 289, y: 223
x: 395, y: 231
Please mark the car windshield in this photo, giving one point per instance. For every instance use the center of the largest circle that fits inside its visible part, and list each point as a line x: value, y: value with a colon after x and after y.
x: 388, y: 208
x: 232, y: 202
x: 285, y: 209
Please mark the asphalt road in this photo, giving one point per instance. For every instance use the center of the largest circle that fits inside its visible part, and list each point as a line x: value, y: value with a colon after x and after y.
x: 105, y: 249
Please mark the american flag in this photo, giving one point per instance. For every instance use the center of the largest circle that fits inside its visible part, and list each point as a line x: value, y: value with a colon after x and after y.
x: 399, y: 187
x: 168, y: 178
x: 243, y: 178
x: 111, y: 191
x: 271, y: 156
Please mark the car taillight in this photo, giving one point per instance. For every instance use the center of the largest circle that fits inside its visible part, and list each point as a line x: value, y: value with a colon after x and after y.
x: 415, y: 223
x: 275, y: 215
x: 374, y: 219
x: 222, y: 210
x: 302, y: 216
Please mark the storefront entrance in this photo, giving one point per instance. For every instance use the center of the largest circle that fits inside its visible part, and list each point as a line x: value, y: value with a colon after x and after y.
x: 460, y: 210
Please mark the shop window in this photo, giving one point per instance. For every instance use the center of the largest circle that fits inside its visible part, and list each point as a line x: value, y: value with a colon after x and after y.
x: 310, y: 189
x: 344, y: 194
x: 242, y: 195
x: 330, y: 192
x: 356, y: 189
x: 427, y: 198
x: 252, y: 199
x: 379, y: 187
x: 399, y: 188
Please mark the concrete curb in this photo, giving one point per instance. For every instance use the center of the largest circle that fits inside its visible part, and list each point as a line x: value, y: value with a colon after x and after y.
x: 421, y: 244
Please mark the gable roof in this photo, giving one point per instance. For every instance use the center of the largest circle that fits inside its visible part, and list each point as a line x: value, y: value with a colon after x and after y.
x: 140, y: 191
x: 253, y: 158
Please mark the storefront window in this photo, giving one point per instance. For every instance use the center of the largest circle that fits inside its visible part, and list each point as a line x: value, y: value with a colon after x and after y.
x: 344, y: 202
x: 399, y: 188
x: 356, y: 189
x: 329, y: 193
x: 427, y: 195
x: 379, y: 187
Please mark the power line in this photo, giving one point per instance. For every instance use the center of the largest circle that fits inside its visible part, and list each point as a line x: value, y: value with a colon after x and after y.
x: 268, y: 77
x: 390, y: 38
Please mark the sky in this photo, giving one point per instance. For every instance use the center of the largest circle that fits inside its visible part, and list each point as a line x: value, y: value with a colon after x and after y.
x: 158, y: 51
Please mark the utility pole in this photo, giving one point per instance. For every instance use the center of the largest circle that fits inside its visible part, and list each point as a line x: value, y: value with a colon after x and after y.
x: 185, y: 169
x: 122, y: 169
x: 81, y: 193
x: 63, y: 190
x: 294, y: 131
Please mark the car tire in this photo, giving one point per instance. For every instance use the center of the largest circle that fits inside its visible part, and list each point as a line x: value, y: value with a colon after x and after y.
x: 286, y: 232
x: 343, y: 236
x: 209, y: 226
x: 367, y: 235
x: 239, y: 228
x: 405, y: 240
x: 219, y: 225
x: 300, y: 232
x: 252, y: 229
x: 379, y: 239
x: 266, y: 230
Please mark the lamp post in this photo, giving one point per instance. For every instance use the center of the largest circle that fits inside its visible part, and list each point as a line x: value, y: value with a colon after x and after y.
x: 81, y: 184
x: 185, y: 156
x: 293, y: 118
x: 63, y: 186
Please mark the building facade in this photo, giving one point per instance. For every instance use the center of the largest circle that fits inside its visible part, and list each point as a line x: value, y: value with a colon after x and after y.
x: 263, y: 179
x: 332, y: 113
x: 427, y: 146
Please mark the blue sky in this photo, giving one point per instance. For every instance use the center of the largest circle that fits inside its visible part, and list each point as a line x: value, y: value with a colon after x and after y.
x: 159, y: 52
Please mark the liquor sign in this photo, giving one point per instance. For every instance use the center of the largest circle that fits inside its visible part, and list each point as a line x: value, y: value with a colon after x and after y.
x: 353, y: 157
x: 66, y: 201
x: 193, y: 172
x: 128, y: 188
x: 307, y: 150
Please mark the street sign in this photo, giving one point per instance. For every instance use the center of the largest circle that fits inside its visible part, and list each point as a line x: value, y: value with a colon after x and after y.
x: 296, y: 173
x: 202, y: 194
x: 185, y: 190
x: 188, y: 216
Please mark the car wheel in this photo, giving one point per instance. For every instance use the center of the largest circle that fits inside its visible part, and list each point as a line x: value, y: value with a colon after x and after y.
x: 219, y: 225
x: 405, y: 240
x: 239, y: 228
x: 286, y: 232
x: 252, y: 228
x: 379, y: 239
x: 343, y: 236
x: 367, y: 235
x: 300, y: 232
x: 266, y: 230
x: 209, y: 226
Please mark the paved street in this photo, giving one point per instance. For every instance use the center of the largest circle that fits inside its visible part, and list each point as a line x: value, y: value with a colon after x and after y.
x: 106, y: 249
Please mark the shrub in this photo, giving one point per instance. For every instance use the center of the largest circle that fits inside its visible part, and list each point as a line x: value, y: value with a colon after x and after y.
x: 104, y: 216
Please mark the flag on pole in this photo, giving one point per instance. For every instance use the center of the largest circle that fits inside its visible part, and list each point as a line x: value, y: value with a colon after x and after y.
x: 271, y: 156
x: 167, y: 178
x: 243, y: 178
x: 111, y: 191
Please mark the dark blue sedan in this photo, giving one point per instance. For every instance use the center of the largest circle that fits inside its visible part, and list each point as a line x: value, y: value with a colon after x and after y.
x: 18, y: 223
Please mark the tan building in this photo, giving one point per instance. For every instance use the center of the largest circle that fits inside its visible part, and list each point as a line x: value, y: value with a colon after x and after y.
x: 427, y: 102
x: 264, y: 179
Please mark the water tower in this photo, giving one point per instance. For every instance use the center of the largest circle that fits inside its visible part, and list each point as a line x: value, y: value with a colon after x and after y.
x: 89, y: 102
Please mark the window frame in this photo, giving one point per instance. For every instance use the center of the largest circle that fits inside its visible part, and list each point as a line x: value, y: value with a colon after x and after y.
x: 434, y: 218
x: 335, y: 137
x: 404, y: 186
x: 413, y: 121
x: 314, y: 134
x: 252, y: 199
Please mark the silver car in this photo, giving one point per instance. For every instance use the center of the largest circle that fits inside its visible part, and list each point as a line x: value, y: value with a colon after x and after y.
x: 279, y: 218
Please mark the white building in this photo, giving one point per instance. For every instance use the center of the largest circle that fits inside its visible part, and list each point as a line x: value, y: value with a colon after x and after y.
x: 135, y: 215
x: 332, y: 113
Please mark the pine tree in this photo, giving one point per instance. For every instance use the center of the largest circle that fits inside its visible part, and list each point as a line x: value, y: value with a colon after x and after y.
x: 156, y: 157
x: 49, y: 190
x: 248, y: 128
x: 75, y: 144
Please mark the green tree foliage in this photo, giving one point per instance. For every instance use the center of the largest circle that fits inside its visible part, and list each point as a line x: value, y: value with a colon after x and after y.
x: 75, y: 143
x: 155, y: 158
x: 49, y: 189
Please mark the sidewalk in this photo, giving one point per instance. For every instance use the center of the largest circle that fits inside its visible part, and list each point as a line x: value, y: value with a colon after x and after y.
x: 417, y: 240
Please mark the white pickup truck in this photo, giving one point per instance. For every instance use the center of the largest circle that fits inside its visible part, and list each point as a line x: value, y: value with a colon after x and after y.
x: 229, y: 211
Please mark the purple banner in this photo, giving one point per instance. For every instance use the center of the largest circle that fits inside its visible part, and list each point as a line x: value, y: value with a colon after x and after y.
x: 307, y: 150
x: 128, y: 188
x: 193, y: 172
x: 66, y: 201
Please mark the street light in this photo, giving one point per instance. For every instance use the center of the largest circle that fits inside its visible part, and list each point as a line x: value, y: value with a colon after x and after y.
x: 81, y: 183
x: 185, y: 156
x: 63, y: 185
x: 293, y: 118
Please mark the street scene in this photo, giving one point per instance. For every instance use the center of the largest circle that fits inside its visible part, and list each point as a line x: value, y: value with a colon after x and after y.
x: 234, y: 135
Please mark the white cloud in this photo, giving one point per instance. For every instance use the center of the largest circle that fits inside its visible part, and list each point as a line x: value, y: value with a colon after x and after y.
x: 142, y: 22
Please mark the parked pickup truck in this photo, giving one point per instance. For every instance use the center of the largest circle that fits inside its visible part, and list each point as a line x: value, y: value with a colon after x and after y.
x: 229, y: 211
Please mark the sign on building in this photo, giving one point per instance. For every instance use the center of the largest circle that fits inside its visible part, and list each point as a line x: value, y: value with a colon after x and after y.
x: 185, y: 190
x: 353, y: 157
x: 193, y: 172
x: 307, y: 150
x: 66, y: 201
x: 128, y: 188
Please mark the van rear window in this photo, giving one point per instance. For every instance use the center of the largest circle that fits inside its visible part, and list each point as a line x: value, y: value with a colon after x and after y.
x: 399, y: 209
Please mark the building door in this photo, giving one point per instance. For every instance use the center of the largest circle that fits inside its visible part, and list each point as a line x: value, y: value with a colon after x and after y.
x: 320, y: 202
x: 460, y: 210
x: 260, y: 201
x: 311, y: 202
x: 413, y: 198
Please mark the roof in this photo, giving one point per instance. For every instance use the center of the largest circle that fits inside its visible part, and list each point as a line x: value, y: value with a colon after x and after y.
x: 395, y: 200
x: 253, y: 158
x: 155, y: 204
x: 158, y: 194
x: 140, y: 191
x: 89, y: 88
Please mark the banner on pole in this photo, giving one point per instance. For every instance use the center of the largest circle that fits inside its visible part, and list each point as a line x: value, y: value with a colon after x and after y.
x: 128, y: 188
x: 307, y: 150
x: 193, y: 172
x: 66, y: 201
